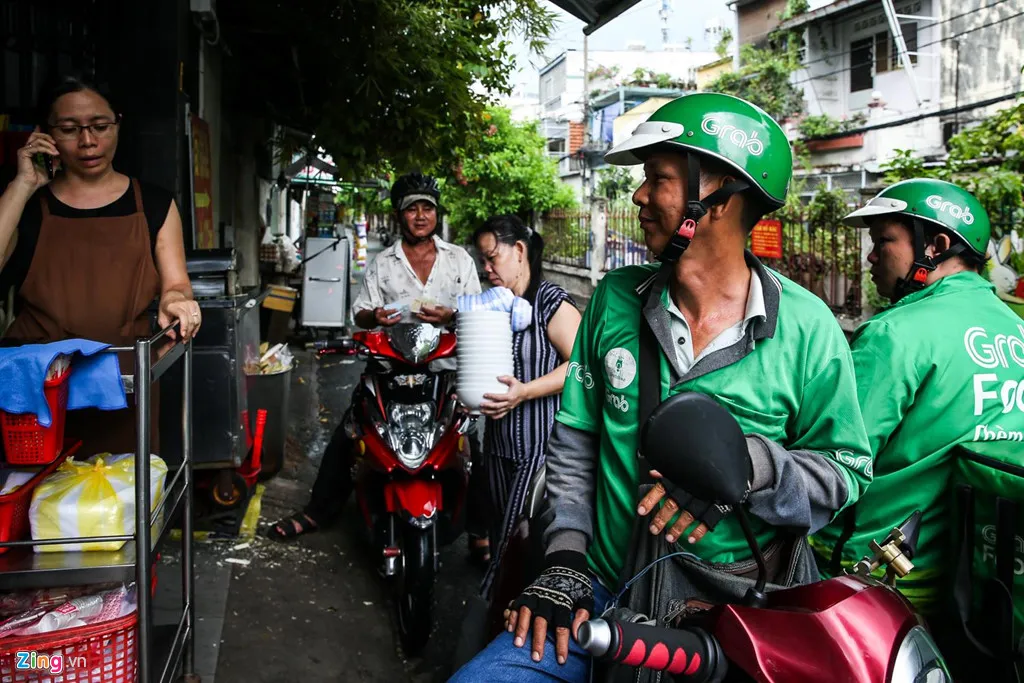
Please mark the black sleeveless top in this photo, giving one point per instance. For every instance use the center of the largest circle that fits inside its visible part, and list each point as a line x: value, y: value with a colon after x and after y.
x: 156, y: 202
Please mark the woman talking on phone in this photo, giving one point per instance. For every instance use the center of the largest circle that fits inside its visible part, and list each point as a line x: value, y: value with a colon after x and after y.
x: 88, y: 249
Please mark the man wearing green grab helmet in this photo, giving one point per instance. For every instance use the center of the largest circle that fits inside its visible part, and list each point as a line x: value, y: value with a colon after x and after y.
x: 711, y: 319
x: 937, y: 369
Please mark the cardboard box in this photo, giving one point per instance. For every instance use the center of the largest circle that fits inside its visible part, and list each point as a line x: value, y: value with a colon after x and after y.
x: 281, y: 298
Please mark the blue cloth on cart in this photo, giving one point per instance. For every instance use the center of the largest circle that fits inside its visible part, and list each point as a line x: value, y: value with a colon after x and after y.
x: 95, y: 380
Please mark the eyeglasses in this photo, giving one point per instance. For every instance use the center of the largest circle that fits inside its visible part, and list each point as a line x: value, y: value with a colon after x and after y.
x: 71, y: 131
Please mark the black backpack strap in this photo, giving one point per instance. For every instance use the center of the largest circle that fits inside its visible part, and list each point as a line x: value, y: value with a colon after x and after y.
x: 650, y: 384
x: 1001, y: 590
x: 964, y: 577
x: 849, y: 517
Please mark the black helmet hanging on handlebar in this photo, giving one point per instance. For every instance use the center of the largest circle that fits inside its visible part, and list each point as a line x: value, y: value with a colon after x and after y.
x: 414, y: 187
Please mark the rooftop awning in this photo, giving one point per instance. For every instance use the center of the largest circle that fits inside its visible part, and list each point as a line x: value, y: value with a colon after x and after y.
x: 595, y: 13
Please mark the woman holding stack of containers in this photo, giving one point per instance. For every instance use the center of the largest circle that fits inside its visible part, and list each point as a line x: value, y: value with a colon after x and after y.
x: 542, y: 328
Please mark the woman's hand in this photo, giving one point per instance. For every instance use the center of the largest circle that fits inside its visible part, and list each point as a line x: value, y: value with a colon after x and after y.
x: 497, y: 406
x: 30, y: 174
x: 175, y: 306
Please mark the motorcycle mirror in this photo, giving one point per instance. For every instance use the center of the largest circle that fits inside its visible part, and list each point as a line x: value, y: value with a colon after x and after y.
x: 911, y: 530
x: 690, y: 438
x: 695, y: 442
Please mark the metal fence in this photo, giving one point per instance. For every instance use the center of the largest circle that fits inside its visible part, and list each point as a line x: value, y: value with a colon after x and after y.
x: 826, y: 260
x: 567, y: 238
x: 624, y: 243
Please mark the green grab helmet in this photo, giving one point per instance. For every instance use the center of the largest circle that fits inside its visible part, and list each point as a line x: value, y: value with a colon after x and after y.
x: 946, y: 206
x: 722, y: 126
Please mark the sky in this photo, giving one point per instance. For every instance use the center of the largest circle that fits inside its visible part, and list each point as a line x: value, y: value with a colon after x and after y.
x: 640, y: 23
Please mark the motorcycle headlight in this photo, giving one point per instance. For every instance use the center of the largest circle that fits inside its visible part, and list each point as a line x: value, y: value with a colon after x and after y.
x: 919, y: 660
x: 411, y: 432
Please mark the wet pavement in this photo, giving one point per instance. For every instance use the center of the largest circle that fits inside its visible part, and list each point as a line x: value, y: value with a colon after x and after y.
x: 315, y: 609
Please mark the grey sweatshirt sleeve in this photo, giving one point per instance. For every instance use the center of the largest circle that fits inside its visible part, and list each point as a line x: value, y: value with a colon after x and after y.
x: 798, y: 489
x: 571, y: 474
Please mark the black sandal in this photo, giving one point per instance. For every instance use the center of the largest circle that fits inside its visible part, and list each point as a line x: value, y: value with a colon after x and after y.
x: 479, y: 551
x: 286, y: 530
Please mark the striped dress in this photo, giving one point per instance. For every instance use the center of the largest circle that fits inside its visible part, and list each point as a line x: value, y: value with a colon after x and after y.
x: 514, y: 445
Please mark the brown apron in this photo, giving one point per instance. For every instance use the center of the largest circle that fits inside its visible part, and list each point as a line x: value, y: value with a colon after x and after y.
x: 93, y: 278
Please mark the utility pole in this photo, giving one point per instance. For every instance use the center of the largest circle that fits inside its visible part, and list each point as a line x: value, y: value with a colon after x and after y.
x: 585, y: 166
x: 586, y: 90
x: 956, y: 88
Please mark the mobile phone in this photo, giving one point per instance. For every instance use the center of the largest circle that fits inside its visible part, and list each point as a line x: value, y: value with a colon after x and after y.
x: 45, y: 161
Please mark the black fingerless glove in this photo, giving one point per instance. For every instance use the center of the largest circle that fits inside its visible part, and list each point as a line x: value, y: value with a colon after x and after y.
x: 560, y: 590
x: 708, y: 514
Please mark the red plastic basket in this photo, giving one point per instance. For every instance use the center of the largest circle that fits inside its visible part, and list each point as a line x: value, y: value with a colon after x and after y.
x: 14, y: 506
x: 107, y: 650
x: 25, y: 442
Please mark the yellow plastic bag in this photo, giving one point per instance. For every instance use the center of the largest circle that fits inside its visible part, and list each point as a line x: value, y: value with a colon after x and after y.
x: 95, y: 497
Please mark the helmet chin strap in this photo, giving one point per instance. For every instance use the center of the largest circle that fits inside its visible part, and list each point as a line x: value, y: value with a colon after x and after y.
x: 696, y: 209
x: 923, y: 265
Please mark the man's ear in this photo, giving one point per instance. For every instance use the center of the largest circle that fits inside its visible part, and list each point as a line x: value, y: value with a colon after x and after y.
x: 733, y: 203
x: 939, y: 245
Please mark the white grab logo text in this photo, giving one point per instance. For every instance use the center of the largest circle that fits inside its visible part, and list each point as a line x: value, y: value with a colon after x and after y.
x: 581, y: 374
x: 939, y: 204
x: 614, y: 400
x: 860, y: 463
x: 1001, y: 351
x: 737, y: 136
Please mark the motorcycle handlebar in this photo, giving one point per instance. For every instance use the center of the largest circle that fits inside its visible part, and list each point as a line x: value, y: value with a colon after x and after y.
x: 330, y: 345
x: 691, y: 655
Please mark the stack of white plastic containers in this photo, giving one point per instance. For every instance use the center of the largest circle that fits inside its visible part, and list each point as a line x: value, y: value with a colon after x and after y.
x: 484, y: 353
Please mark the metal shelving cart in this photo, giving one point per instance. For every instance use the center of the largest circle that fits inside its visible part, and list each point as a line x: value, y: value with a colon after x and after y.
x: 160, y: 650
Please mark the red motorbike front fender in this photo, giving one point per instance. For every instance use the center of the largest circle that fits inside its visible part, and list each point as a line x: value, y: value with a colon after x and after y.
x: 840, y: 629
x: 416, y: 497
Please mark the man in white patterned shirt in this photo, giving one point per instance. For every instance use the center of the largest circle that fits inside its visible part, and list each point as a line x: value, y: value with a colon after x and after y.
x: 420, y: 267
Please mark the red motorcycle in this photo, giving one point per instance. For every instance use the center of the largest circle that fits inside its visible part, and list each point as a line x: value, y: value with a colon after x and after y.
x: 411, y: 461
x: 851, y: 628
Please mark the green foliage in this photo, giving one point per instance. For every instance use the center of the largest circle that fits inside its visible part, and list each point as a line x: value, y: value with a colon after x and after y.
x: 827, y: 208
x: 508, y: 171
x: 387, y: 79
x: 817, y: 228
x: 794, y: 8
x: 764, y: 74
x: 368, y: 200
x: 764, y: 79
x: 722, y: 48
x: 646, y: 78
x: 822, y: 124
x: 986, y: 160
x: 999, y: 139
x: 616, y: 184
